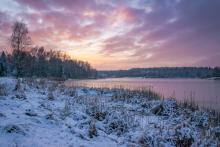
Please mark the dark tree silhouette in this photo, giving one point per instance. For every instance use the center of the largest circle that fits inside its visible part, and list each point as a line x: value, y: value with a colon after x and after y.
x: 37, y: 61
x: 162, y: 72
x: 216, y: 72
x: 3, y: 64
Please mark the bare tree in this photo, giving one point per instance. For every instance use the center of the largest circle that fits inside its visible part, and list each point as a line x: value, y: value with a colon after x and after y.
x: 19, y: 38
x: 20, y: 41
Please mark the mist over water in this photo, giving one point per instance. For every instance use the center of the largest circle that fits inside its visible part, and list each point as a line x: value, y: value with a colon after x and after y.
x: 205, y: 93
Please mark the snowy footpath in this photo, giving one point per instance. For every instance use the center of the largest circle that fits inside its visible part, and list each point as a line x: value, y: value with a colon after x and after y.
x: 44, y: 113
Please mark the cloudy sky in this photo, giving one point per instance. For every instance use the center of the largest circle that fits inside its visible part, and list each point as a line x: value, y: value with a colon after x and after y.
x: 121, y: 34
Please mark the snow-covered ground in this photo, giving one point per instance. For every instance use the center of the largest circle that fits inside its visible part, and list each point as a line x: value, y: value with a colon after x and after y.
x: 46, y: 113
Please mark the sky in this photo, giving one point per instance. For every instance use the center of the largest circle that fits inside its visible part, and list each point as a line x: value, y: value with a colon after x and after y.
x: 121, y: 34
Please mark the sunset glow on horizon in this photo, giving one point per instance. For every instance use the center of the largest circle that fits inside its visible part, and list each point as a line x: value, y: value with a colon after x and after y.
x: 121, y: 34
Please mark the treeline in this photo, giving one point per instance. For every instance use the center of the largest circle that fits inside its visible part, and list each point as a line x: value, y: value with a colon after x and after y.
x: 164, y: 72
x: 41, y: 63
x: 27, y: 61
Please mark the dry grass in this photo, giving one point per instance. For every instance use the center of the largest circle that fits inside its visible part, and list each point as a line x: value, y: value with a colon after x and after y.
x: 2, y: 90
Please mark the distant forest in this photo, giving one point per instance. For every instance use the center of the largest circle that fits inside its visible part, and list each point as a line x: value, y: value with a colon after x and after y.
x: 164, y: 72
x: 27, y: 61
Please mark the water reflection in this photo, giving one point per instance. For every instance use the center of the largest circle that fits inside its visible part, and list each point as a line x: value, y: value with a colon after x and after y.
x: 206, y: 93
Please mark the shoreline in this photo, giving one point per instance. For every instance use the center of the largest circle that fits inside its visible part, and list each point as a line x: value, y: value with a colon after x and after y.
x: 97, y: 117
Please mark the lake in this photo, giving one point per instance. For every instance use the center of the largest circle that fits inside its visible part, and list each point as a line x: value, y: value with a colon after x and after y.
x: 206, y: 93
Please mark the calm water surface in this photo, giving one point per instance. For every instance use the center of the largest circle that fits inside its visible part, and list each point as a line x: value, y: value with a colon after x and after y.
x: 206, y: 93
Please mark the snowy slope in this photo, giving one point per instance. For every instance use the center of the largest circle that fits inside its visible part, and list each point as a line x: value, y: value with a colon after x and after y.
x: 46, y: 113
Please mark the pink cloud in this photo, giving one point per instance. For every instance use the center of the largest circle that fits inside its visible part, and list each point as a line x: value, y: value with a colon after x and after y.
x: 159, y: 33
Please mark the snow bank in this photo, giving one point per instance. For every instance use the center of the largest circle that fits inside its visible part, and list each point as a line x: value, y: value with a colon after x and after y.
x: 46, y: 113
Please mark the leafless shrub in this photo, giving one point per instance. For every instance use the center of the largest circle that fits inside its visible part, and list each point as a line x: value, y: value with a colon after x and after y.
x: 119, y: 122
x: 50, y: 96
x: 61, y: 87
x: 183, y: 137
x: 201, y: 119
x: 18, y: 85
x: 30, y: 81
x: 20, y: 95
x: 134, y: 96
x: 158, y: 109
x: 95, y: 108
x: 189, y: 102
x: 184, y: 142
x: 66, y: 110
x: 14, y: 129
x: 2, y: 90
x: 145, y: 141
x: 42, y: 82
x: 70, y: 92
x: 50, y: 93
x: 92, y: 130
x: 118, y: 126
x: 30, y: 112
x: 49, y: 116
